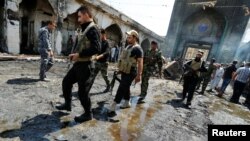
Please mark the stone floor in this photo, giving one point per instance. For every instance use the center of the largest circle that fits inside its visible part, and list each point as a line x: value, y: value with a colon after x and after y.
x: 27, y: 110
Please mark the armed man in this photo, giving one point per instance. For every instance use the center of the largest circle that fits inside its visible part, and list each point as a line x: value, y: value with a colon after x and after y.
x: 130, y: 66
x: 45, y: 49
x: 193, y: 69
x: 151, y: 58
x: 89, y: 44
x: 102, y: 60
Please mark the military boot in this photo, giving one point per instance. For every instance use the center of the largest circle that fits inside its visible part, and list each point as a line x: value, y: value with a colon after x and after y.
x: 66, y: 106
x: 84, y: 117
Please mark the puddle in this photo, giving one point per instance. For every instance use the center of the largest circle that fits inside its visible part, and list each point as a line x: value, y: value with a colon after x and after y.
x: 163, y: 98
x: 132, y: 121
x: 232, y: 109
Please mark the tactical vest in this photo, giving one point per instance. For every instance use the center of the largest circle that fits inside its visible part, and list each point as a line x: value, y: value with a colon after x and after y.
x: 195, y: 66
x: 84, y: 43
x: 126, y: 62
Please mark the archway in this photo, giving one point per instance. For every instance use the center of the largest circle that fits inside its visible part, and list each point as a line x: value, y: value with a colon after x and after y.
x: 145, y: 44
x: 205, y: 29
x: 114, y: 35
x: 34, y: 14
x: 27, y: 8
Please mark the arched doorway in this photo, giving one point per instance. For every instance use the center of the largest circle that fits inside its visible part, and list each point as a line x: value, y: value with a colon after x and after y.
x: 114, y: 37
x: 27, y: 8
x: 202, y: 30
x: 145, y: 44
x: 34, y: 14
x: 70, y: 25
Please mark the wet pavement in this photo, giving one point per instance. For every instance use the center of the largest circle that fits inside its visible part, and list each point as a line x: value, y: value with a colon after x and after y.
x: 27, y: 110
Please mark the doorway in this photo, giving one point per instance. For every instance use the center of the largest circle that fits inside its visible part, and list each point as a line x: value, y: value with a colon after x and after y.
x: 191, y: 51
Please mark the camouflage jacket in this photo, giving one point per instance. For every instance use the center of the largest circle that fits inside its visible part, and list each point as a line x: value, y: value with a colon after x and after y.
x: 151, y: 58
x: 44, y: 37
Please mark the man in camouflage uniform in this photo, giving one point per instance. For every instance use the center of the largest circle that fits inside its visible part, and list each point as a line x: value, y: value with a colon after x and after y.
x: 151, y: 58
x: 207, y: 75
x: 45, y: 49
x: 102, y: 60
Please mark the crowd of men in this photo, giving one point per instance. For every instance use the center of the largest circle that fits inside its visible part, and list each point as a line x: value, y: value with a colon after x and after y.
x: 91, y: 54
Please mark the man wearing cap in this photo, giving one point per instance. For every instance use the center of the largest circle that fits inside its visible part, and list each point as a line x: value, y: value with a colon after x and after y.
x: 193, y: 69
x: 130, y: 66
x: 207, y: 75
x: 227, y: 77
x: 151, y: 58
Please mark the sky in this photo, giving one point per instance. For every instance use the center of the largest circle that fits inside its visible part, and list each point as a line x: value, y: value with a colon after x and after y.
x: 153, y: 14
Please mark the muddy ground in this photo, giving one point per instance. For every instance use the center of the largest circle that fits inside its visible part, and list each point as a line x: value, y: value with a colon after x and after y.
x: 27, y: 110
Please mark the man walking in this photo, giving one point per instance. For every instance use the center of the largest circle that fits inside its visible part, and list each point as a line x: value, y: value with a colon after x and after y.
x: 227, y: 77
x: 102, y: 60
x: 45, y: 49
x: 193, y: 67
x: 130, y: 66
x: 241, y: 77
x: 151, y: 58
x: 82, y: 71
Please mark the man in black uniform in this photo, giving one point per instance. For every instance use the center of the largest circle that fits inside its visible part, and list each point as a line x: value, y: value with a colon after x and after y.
x: 130, y: 66
x: 102, y: 60
x: 82, y: 71
x: 193, y: 67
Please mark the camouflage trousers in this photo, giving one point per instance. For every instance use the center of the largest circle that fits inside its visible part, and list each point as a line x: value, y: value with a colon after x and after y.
x: 146, y: 74
x: 103, y: 67
x: 205, y: 83
x: 46, y: 63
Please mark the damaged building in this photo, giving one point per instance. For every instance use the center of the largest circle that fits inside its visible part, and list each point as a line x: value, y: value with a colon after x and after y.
x: 21, y: 20
x: 214, y: 26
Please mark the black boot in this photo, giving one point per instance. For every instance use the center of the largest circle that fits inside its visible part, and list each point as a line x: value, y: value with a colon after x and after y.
x: 65, y: 106
x: 140, y: 100
x: 84, y: 117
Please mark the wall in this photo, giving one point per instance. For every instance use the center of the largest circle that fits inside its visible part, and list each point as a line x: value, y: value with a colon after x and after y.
x: 225, y: 48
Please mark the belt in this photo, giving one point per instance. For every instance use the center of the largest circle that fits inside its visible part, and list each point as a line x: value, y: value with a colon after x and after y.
x: 86, y: 59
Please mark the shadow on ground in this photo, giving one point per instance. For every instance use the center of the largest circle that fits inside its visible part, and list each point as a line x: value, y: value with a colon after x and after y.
x: 37, y: 127
x: 100, y: 113
x: 22, y: 81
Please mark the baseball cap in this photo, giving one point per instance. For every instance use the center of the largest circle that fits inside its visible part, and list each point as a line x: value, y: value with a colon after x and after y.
x: 133, y: 33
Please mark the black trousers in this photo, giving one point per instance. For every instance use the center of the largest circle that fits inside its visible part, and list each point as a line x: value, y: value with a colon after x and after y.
x: 189, y: 85
x: 123, y: 91
x: 82, y: 74
x: 238, y: 89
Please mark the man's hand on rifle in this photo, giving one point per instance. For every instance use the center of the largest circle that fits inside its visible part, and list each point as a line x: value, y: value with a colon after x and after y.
x: 74, y: 56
